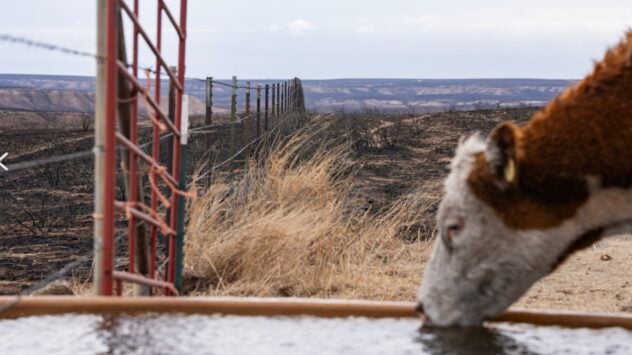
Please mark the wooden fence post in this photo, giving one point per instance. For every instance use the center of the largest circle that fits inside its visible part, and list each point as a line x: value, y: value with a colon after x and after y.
x: 285, y: 89
x: 209, y: 117
x: 273, y: 100
x: 282, y: 101
x: 209, y: 100
x: 247, y: 98
x: 266, y: 109
x: 258, y: 110
x: 247, y: 123
x: 300, y: 98
x: 293, y: 94
x: 233, y: 114
x: 278, y: 87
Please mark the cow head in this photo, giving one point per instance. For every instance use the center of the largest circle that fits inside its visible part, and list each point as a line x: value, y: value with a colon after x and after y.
x: 519, y: 202
x: 488, y: 253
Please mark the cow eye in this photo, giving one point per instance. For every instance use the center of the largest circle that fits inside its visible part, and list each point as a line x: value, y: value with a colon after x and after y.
x: 453, y: 229
x: 450, y: 230
x: 454, y: 226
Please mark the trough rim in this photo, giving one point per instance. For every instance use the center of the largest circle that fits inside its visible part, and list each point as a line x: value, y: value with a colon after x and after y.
x: 255, y: 306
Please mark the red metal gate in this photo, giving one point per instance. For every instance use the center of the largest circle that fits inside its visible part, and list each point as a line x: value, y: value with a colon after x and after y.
x: 116, y: 73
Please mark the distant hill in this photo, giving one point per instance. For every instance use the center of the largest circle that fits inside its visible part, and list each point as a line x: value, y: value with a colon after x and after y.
x: 30, y: 99
x: 76, y: 93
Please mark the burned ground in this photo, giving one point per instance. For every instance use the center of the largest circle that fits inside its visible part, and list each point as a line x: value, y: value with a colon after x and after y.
x: 45, y: 220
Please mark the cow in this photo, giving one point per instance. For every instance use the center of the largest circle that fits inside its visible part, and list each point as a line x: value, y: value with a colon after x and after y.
x: 519, y: 202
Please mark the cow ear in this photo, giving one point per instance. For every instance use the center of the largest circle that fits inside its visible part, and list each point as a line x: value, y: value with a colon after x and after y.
x: 502, y: 153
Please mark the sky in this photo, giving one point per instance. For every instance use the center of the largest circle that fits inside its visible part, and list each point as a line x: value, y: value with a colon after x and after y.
x: 341, y: 38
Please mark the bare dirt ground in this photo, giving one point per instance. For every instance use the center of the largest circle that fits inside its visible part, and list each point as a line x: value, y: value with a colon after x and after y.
x: 598, y: 278
x: 46, y: 211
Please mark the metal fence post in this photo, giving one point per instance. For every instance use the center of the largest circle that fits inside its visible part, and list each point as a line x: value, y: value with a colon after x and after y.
x: 209, y: 114
x: 171, y: 115
x: 100, y: 115
x: 209, y: 100
x: 266, y: 109
x: 258, y: 110
x: 233, y: 114
x: 182, y: 181
x: 247, y: 98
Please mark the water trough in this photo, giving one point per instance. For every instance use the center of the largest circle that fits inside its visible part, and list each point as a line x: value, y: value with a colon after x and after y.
x: 227, y: 325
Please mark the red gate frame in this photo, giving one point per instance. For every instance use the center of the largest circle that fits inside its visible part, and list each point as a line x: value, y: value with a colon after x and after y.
x: 133, y: 208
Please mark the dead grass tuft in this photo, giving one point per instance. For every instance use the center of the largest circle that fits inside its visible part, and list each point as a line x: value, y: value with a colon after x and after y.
x: 289, y: 227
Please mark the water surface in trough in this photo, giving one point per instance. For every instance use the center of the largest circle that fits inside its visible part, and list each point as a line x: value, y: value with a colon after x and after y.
x: 197, y: 334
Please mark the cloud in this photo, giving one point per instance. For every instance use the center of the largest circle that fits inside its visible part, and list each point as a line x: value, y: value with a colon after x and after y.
x: 504, y: 20
x: 274, y: 28
x: 299, y: 27
x: 364, y: 26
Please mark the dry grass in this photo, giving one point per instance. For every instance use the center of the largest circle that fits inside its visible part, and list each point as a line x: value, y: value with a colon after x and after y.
x: 289, y: 227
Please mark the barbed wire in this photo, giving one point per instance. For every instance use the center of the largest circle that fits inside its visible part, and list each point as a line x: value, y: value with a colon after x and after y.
x: 54, y: 276
x: 236, y: 154
x: 9, y: 38
x: 230, y: 85
x: 5, y: 37
x: 45, y: 161
x: 90, y: 153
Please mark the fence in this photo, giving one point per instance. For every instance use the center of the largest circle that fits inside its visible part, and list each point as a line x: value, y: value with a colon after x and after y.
x: 118, y: 89
x: 267, y: 108
x: 267, y: 116
x: 160, y: 174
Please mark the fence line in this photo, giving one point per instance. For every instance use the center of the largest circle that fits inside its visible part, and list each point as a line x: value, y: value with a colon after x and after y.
x: 286, y: 97
x: 90, y: 153
x: 236, y: 154
x: 275, y: 107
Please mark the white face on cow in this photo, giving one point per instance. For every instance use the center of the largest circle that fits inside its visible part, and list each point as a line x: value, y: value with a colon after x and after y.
x: 479, y: 266
x: 463, y: 282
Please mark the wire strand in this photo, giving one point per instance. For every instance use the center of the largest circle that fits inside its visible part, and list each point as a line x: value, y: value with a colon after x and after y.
x: 235, y: 155
x: 54, y: 276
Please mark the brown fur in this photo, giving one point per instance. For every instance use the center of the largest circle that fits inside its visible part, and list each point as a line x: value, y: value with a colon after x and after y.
x: 586, y: 131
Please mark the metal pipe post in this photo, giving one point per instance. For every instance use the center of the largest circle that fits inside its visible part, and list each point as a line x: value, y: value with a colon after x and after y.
x: 233, y: 114
x: 182, y: 179
x: 99, y: 148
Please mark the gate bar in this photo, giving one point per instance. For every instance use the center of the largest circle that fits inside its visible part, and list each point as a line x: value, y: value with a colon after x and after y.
x: 245, y: 306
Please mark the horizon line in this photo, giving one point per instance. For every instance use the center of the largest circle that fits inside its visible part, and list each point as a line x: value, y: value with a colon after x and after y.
x: 332, y: 79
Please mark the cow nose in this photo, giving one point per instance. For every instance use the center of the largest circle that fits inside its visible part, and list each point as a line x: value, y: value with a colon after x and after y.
x: 420, y: 311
